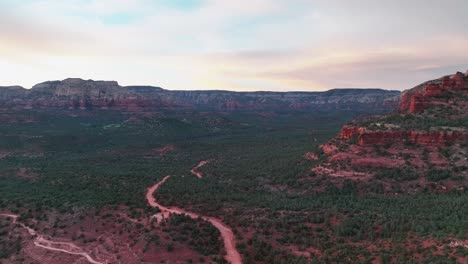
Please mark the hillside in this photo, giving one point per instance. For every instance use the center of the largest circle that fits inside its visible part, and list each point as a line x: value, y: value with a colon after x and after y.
x: 421, y: 147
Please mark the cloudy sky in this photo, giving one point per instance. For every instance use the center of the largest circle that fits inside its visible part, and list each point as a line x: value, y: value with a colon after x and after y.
x: 234, y: 44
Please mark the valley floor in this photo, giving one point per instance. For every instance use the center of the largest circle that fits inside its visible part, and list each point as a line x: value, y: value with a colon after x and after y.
x: 236, y: 194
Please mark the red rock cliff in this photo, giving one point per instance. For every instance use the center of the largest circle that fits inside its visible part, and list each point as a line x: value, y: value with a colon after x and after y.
x: 348, y: 132
x: 367, y: 137
x: 420, y: 97
x: 431, y: 138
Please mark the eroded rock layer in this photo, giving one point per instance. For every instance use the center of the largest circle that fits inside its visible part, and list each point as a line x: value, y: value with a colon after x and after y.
x: 422, y: 146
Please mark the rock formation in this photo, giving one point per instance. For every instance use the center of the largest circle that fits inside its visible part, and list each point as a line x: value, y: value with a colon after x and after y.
x: 419, y: 98
x: 403, y: 151
x: 87, y: 94
x: 367, y: 137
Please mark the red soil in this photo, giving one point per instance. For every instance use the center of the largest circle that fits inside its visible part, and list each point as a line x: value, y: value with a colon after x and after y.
x: 329, y: 149
x: 162, y: 151
x: 65, y: 247
x: 201, y: 164
x: 232, y: 255
x: 310, y: 156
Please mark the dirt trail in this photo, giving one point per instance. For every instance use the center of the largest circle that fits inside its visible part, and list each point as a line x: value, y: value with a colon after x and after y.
x: 201, y: 164
x: 11, y: 216
x: 232, y: 255
x: 65, y: 247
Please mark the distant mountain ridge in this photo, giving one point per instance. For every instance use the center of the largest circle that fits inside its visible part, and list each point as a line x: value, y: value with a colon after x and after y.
x: 75, y: 93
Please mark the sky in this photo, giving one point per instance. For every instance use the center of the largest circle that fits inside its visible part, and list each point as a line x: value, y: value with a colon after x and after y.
x: 241, y: 45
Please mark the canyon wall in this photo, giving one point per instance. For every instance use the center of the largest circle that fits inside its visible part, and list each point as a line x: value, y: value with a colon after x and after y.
x: 88, y: 94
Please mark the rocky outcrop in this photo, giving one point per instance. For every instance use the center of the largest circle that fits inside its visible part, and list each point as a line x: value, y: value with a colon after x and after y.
x: 431, y: 138
x: 421, y: 97
x: 78, y: 88
x: 329, y: 149
x: 366, y: 137
x: 88, y: 94
x: 81, y: 94
x: 348, y: 132
x: 421, y: 147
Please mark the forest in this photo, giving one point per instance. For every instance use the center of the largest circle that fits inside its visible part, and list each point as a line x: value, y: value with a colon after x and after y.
x: 252, y: 182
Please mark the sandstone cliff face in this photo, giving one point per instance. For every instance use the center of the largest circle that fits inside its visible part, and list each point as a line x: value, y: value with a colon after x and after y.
x: 348, y: 132
x: 78, y: 88
x: 367, y: 137
x: 88, y: 94
x: 403, y: 151
x: 421, y: 97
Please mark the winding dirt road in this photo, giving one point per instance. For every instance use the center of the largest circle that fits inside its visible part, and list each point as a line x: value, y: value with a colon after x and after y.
x: 232, y: 255
x: 201, y: 164
x: 65, y: 247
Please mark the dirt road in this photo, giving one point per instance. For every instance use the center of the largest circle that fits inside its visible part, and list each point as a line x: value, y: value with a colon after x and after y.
x: 65, y: 247
x: 194, y: 170
x: 232, y: 255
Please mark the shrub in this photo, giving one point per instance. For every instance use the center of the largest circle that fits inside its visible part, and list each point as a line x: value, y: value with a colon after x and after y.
x: 405, y: 174
x: 438, y: 175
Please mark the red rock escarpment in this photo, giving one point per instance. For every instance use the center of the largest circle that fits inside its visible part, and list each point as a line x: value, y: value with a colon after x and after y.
x: 329, y: 149
x: 367, y: 137
x: 428, y: 135
x: 348, y: 132
x: 420, y: 97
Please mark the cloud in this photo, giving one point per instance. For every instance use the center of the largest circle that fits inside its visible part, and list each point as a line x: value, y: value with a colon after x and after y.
x: 240, y: 45
x: 351, y: 65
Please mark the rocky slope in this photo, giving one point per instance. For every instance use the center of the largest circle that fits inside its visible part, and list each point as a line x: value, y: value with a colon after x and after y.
x: 432, y: 93
x: 88, y: 94
x: 422, y: 146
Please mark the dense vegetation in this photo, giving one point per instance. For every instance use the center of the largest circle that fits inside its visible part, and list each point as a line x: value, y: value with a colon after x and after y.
x: 101, y: 159
x: 253, y: 182
x: 199, y: 234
